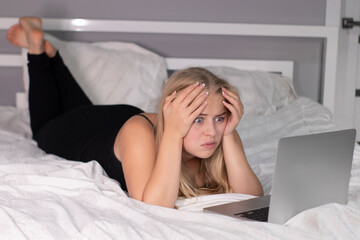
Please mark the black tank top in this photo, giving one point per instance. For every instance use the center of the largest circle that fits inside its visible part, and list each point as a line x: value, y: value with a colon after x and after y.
x: 146, y: 119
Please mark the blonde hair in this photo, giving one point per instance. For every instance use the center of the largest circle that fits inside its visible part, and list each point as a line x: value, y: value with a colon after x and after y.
x: 213, y: 169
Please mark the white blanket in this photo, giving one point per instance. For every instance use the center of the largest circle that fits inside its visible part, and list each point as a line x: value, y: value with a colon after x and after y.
x: 45, y: 197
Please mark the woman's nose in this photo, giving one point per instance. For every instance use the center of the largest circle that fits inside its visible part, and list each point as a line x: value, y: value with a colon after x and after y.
x: 210, y: 129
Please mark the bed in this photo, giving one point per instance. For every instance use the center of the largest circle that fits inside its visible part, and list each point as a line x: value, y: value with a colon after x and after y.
x: 43, y: 196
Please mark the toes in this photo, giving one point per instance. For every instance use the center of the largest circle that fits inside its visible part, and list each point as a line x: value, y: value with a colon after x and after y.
x: 11, y: 29
x: 9, y: 34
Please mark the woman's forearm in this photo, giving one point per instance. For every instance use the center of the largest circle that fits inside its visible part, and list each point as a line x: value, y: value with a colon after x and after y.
x: 241, y: 177
x: 163, y: 185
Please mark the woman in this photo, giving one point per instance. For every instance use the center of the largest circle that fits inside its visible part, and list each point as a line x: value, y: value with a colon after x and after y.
x: 190, y: 147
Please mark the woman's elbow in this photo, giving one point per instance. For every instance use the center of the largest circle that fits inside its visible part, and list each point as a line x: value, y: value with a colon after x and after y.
x: 156, y: 199
x: 158, y: 202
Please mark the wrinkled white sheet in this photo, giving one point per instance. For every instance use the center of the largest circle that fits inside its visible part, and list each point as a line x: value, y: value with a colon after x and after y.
x: 45, y: 197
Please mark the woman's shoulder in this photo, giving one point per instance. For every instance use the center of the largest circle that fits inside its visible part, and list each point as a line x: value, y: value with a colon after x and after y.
x: 136, y: 130
x: 141, y: 121
x: 139, y: 124
x: 150, y: 117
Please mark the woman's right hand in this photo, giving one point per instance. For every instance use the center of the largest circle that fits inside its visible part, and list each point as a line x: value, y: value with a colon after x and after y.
x: 181, y: 109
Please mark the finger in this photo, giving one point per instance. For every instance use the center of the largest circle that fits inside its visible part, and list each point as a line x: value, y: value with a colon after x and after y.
x: 198, y: 111
x: 197, y: 102
x: 231, y: 107
x: 169, y: 99
x: 233, y: 99
x: 184, y: 93
x: 230, y: 94
x: 239, y: 112
x: 193, y: 94
x: 236, y: 99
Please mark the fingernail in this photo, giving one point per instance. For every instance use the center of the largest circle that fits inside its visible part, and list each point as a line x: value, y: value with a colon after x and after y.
x: 196, y: 84
x: 202, y: 85
x: 206, y: 93
x: 223, y: 93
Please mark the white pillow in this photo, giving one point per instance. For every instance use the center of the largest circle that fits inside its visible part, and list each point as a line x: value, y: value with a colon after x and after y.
x: 262, y: 93
x: 115, y: 72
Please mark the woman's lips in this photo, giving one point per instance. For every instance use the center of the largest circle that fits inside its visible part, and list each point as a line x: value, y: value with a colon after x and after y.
x: 209, y: 145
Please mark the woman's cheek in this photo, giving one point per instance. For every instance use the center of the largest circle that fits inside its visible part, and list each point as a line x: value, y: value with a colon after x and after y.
x: 192, y: 138
x: 222, y: 126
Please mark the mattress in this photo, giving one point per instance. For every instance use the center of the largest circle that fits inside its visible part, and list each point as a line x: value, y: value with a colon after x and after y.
x: 43, y: 196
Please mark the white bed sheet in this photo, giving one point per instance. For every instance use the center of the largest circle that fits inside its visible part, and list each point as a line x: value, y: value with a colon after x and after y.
x: 45, y: 197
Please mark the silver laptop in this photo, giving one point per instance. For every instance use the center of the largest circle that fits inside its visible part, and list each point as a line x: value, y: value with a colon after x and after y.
x: 310, y: 170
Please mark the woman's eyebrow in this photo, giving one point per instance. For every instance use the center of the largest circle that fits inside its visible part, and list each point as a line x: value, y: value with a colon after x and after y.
x: 221, y: 114
x: 203, y: 114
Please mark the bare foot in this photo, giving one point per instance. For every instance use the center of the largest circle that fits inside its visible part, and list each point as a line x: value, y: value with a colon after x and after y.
x: 33, y: 34
x: 16, y: 36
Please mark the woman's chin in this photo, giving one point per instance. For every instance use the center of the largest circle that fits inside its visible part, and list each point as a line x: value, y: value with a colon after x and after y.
x: 204, y: 155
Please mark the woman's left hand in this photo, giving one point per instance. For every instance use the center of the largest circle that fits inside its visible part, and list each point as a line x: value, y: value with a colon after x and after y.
x: 236, y: 109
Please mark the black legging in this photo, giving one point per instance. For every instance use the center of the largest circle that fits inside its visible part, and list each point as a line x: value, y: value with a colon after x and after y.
x: 64, y: 122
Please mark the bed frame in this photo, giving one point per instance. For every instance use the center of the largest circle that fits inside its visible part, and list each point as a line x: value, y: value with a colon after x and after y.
x: 329, y: 33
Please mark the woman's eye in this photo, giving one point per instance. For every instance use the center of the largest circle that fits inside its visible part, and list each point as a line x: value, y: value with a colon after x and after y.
x: 219, y: 119
x: 198, y: 120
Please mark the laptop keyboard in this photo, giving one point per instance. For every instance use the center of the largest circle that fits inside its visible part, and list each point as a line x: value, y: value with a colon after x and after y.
x: 260, y: 214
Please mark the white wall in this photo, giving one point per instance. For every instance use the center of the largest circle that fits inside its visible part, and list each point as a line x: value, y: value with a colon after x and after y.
x: 306, y: 53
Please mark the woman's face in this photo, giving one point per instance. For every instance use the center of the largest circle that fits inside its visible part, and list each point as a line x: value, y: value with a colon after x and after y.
x: 207, y: 130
